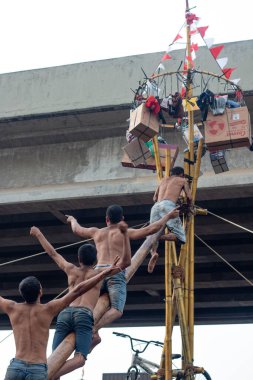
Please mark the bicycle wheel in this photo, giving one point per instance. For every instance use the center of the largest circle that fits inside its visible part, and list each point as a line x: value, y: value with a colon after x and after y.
x: 132, y: 373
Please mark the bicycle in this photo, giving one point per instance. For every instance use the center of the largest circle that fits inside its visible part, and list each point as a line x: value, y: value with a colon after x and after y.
x: 140, y: 364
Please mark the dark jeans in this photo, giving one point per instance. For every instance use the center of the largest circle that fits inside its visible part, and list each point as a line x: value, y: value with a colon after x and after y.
x: 78, y: 320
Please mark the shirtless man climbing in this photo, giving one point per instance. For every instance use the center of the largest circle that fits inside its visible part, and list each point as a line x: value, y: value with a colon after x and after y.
x: 31, y: 320
x: 166, y: 197
x: 108, y: 246
x: 78, y: 317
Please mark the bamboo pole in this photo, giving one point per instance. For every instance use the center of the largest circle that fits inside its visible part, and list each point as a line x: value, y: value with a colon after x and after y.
x: 157, y: 158
x: 181, y: 311
x: 168, y: 311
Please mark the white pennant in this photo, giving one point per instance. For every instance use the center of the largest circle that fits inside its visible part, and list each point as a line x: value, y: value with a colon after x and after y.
x: 235, y: 81
x: 222, y: 62
x: 161, y: 66
x: 169, y: 49
x: 209, y: 42
x: 193, y: 55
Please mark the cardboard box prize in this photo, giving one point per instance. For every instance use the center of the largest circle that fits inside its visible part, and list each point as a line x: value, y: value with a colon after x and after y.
x: 143, y: 123
x: 230, y: 130
x: 150, y: 162
x: 137, y: 151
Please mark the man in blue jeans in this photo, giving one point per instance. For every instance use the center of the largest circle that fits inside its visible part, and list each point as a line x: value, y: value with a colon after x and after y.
x: 108, y: 246
x: 31, y: 321
x: 78, y: 317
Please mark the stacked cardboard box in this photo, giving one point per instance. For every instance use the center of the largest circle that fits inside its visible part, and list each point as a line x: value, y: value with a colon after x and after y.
x: 150, y: 162
x: 137, y: 151
x: 143, y: 123
x: 230, y: 130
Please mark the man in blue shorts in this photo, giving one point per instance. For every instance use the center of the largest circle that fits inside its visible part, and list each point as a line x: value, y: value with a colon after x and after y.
x: 109, y: 244
x: 78, y: 317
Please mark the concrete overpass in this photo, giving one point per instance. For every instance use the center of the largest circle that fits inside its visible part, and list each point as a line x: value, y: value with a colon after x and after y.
x: 62, y: 130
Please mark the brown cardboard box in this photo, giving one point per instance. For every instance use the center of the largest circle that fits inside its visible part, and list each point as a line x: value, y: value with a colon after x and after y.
x: 230, y: 130
x: 143, y: 123
x: 150, y: 162
x: 137, y: 151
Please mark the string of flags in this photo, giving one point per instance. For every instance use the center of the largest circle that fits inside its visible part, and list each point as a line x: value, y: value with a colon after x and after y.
x: 191, y: 22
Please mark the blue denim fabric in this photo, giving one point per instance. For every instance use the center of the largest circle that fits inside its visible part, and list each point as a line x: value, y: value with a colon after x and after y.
x: 21, y: 370
x: 174, y: 225
x: 115, y: 286
x: 78, y: 320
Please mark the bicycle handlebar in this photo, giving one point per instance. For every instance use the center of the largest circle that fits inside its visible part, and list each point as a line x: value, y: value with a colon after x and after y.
x: 156, y: 343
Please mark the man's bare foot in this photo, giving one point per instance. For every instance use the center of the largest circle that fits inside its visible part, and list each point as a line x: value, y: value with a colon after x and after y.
x: 170, y: 237
x: 152, y: 262
x: 95, y: 341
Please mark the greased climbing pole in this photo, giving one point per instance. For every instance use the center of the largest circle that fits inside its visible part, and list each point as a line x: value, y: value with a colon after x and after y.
x: 180, y: 271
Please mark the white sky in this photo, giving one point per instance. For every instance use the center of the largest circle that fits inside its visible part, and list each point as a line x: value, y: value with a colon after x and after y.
x: 44, y: 33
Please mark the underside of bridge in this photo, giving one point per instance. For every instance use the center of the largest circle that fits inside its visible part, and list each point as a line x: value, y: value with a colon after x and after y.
x: 221, y: 295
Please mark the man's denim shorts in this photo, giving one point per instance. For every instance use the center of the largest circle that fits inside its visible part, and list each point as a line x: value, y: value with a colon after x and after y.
x: 78, y: 320
x: 115, y: 286
x: 21, y: 370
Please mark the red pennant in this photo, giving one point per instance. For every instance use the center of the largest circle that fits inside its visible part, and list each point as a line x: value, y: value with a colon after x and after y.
x: 183, y: 92
x: 202, y: 30
x: 189, y: 58
x: 193, y: 32
x: 215, y: 51
x: 177, y: 38
x: 166, y: 56
x: 194, y: 47
x: 227, y: 72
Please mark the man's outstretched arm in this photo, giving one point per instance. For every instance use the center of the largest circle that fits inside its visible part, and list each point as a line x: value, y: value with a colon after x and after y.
x: 153, y: 227
x: 59, y: 260
x: 79, y: 230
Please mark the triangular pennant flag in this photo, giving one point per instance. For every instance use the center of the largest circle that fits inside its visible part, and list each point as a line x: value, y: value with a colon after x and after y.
x: 189, y: 58
x: 183, y: 92
x: 209, y: 42
x: 161, y: 67
x: 215, y: 51
x: 169, y: 49
x: 177, y: 38
x: 235, y: 81
x: 202, y: 30
x: 227, y: 72
x: 193, y: 55
x: 193, y: 32
x: 166, y: 56
x: 222, y: 62
x: 194, y: 47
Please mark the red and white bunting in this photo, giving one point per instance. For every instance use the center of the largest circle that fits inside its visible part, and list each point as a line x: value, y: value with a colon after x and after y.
x: 194, y: 47
x: 165, y: 57
x: 202, y: 30
x: 160, y: 67
x: 215, y: 51
x: 222, y: 62
x: 209, y: 42
x: 177, y: 38
x: 236, y: 81
x: 228, y: 71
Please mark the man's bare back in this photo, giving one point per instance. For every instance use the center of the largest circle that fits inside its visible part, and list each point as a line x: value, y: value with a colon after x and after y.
x: 109, y: 242
x: 31, y: 328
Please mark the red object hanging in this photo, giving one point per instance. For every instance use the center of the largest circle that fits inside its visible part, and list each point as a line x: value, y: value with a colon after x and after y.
x: 153, y: 104
x: 190, y: 17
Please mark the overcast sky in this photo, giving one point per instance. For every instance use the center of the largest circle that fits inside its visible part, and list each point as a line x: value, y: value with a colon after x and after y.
x: 44, y: 33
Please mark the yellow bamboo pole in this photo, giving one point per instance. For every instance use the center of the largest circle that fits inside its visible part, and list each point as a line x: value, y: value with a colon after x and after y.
x: 181, y: 311
x: 159, y: 170
x: 168, y: 311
